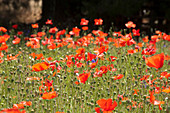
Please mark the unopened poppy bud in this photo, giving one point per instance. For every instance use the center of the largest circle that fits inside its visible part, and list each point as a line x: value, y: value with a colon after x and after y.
x: 73, y: 59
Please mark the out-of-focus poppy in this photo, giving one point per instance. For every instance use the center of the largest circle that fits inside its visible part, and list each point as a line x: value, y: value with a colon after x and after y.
x: 119, y: 76
x: 101, y: 50
x: 32, y: 78
x: 49, y: 22
x: 53, y: 30
x: 37, y: 56
x: 167, y: 57
x: 15, y: 26
x: 40, y: 66
x: 104, y: 69
x: 10, y: 57
x: 91, y: 56
x: 76, y: 31
x: 106, y: 105
x: 4, y: 38
x: 19, y: 32
x: 3, y: 29
x: 98, y: 21
x: 131, y: 51
x: 34, y: 25
x: 52, y: 46
x: 80, y: 51
x: 4, y: 46
x: 145, y: 77
x: 22, y: 104
x: 84, y: 21
x: 85, y: 28
x: 135, y: 92
x: 153, y: 101
x: 49, y: 95
x: 97, y: 109
x: 1, y: 60
x: 136, y: 32
x: 16, y: 41
x: 83, y: 77
x: 155, y: 61
x: 1, y: 55
x: 130, y: 24
x: 149, y: 51
x: 165, y: 75
x: 166, y: 90
x: 112, y: 58
x: 40, y: 34
x: 12, y: 110
x: 34, y: 42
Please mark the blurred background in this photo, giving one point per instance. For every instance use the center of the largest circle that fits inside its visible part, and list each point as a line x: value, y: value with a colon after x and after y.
x: 148, y: 15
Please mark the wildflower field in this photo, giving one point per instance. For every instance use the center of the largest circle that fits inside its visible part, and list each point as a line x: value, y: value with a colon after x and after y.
x: 49, y: 70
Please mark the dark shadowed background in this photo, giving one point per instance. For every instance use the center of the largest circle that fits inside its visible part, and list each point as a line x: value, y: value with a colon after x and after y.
x: 147, y: 14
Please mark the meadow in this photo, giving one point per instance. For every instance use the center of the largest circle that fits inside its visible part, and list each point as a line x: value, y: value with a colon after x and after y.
x: 47, y: 70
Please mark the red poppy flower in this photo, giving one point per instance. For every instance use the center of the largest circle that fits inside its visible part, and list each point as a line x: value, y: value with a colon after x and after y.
x: 97, y: 109
x: 166, y: 90
x: 165, y: 74
x: 37, y: 56
x: 106, y: 105
x: 85, y: 28
x: 117, y: 34
x: 135, y: 92
x: 98, y: 21
x: 49, y: 95
x: 83, y: 77
x: 149, y: 51
x: 3, y: 29
x: 104, y: 69
x: 12, y: 110
x: 112, y: 58
x: 4, y: 38
x: 76, y: 31
x: 131, y: 51
x: 1, y: 54
x: 15, y: 26
x: 92, y: 65
x: 90, y: 56
x: 40, y: 66
x: 19, y: 32
x: 34, y: 25
x: 130, y: 24
x: 4, y: 46
x: 135, y: 32
x: 80, y: 51
x: 167, y: 57
x: 119, y: 76
x: 49, y: 22
x: 53, y: 30
x: 84, y: 21
x: 16, y: 41
x: 22, y: 104
x: 101, y: 50
x: 153, y: 101
x: 166, y: 37
x: 155, y: 61
x: 40, y: 34
x: 10, y: 57
x: 145, y: 77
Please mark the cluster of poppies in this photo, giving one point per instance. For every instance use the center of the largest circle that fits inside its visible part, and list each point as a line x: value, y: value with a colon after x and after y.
x: 90, y: 59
